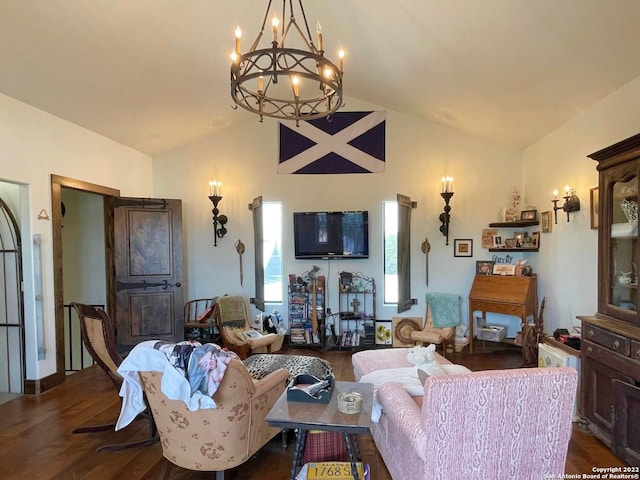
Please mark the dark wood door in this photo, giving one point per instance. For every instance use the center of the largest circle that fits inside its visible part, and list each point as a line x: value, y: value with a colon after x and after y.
x: 626, y: 437
x: 148, y: 270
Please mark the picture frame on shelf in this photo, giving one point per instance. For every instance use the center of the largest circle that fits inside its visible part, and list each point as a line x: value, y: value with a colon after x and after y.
x: 497, y: 241
x: 545, y: 222
x: 504, y: 269
x: 487, y: 237
x: 529, y: 215
x: 535, y: 239
x: 510, y: 242
x: 484, y: 267
x: 463, y: 247
x: 595, y: 207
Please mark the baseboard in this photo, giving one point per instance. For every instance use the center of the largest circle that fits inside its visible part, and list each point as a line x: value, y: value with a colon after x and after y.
x: 36, y: 387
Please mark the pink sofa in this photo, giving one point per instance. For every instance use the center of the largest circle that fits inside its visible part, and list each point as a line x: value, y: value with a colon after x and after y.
x: 480, y: 425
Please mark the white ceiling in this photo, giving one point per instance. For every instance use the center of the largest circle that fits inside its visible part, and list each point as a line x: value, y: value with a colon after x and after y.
x: 154, y: 74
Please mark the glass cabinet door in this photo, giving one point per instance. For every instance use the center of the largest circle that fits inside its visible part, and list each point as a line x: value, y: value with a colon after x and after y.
x: 622, y: 219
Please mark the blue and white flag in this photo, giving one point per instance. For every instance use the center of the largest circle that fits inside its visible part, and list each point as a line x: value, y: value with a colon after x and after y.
x: 346, y: 142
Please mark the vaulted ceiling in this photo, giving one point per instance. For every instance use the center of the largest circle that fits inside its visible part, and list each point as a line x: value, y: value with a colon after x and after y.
x: 154, y: 74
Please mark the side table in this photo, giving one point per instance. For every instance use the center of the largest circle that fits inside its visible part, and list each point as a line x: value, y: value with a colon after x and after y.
x: 304, y: 416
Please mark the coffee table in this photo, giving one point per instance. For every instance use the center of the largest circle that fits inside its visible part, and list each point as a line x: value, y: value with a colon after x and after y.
x: 304, y: 416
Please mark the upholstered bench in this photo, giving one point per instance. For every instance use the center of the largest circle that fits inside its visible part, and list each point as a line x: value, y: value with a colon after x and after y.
x: 367, y: 361
x: 260, y: 365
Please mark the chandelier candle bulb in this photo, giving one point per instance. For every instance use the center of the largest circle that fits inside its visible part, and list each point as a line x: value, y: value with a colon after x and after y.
x: 295, y: 81
x: 274, y: 23
x: 238, y: 37
x: 555, y: 193
x: 260, y: 83
x: 319, y: 32
x: 341, y: 59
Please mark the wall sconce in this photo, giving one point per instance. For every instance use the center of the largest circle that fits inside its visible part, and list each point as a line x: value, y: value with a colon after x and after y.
x: 571, y: 202
x: 219, y: 221
x: 445, y: 218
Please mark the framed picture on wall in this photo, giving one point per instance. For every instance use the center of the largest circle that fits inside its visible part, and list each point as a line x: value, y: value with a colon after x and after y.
x: 463, y: 247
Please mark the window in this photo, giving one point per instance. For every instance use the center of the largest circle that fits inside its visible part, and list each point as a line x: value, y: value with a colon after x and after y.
x: 271, y: 252
x: 390, y: 212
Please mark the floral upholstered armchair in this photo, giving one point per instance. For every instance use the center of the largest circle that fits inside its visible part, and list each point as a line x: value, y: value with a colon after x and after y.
x: 216, y: 439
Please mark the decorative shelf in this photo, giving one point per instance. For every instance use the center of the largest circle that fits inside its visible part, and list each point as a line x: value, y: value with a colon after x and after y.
x: 520, y: 223
x: 521, y: 249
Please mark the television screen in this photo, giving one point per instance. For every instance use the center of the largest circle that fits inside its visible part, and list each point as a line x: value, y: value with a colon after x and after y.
x: 331, y: 234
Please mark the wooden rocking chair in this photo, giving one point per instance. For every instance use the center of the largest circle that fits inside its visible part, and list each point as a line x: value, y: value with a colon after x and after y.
x: 98, y: 336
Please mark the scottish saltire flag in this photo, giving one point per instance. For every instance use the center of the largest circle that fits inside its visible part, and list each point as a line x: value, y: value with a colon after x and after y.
x: 346, y: 142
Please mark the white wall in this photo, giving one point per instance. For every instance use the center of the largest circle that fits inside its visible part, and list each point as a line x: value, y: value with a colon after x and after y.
x: 34, y: 145
x: 418, y: 154
x: 567, y: 265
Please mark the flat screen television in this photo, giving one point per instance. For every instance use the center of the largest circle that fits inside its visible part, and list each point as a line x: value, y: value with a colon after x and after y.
x: 331, y: 234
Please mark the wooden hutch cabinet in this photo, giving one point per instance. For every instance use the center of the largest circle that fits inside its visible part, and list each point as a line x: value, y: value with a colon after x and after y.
x: 610, y: 351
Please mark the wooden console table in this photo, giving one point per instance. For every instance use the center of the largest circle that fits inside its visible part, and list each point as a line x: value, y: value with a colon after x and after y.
x: 517, y: 296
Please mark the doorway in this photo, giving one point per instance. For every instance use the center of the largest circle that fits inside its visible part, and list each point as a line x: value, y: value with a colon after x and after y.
x: 83, y: 265
x: 81, y: 202
x: 12, y: 363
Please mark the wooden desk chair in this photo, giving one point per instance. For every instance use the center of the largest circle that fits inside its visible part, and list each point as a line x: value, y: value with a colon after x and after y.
x: 98, y: 336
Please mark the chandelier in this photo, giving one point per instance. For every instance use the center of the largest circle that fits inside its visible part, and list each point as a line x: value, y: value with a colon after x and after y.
x: 291, y: 83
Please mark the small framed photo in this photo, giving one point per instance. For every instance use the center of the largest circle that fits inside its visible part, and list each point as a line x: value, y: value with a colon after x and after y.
x: 545, y: 221
x: 502, y: 269
x: 510, y: 242
x: 529, y: 215
x: 535, y: 238
x: 497, y: 241
x: 595, y: 208
x: 463, y: 248
x: 484, y: 267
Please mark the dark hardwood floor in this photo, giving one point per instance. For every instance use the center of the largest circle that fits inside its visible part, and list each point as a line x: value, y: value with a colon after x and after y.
x: 37, y: 443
